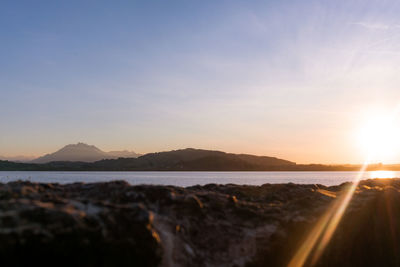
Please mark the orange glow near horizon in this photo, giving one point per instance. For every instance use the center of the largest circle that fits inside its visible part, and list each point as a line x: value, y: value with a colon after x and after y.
x: 378, y: 138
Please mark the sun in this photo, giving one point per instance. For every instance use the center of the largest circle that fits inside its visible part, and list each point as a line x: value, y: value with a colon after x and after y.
x: 379, y: 137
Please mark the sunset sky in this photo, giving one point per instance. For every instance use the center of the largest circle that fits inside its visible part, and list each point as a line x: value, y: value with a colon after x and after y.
x: 291, y: 79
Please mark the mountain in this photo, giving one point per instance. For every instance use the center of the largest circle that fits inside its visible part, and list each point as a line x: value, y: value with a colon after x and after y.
x: 83, y: 153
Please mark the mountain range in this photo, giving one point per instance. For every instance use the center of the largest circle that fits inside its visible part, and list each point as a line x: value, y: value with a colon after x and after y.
x: 83, y: 153
x: 82, y: 157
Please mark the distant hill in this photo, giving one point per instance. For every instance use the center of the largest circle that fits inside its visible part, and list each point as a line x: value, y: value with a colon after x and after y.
x: 197, y: 159
x: 83, y: 153
x: 18, y: 158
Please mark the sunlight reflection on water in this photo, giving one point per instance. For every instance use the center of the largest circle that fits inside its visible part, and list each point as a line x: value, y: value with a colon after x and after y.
x: 382, y: 174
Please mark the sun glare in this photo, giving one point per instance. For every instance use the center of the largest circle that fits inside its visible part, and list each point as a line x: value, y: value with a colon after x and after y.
x: 379, y: 138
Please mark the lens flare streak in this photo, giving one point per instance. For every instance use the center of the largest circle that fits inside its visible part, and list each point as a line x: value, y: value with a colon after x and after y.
x: 319, y: 237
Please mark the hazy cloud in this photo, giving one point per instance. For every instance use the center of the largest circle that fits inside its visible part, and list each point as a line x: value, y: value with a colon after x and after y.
x: 375, y: 26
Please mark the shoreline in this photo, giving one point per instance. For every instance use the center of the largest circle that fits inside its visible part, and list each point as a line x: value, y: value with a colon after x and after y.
x: 211, y: 225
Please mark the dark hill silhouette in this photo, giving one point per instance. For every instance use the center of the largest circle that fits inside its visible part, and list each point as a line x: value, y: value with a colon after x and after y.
x: 193, y: 160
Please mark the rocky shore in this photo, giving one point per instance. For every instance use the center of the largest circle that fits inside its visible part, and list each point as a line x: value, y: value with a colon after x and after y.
x: 116, y: 224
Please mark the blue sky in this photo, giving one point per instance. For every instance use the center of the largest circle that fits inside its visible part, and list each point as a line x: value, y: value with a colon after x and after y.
x: 284, y: 78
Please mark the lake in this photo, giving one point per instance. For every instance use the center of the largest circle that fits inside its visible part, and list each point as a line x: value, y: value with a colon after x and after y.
x: 194, y: 178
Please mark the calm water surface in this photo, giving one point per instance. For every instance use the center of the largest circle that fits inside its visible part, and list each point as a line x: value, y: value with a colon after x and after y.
x: 194, y: 178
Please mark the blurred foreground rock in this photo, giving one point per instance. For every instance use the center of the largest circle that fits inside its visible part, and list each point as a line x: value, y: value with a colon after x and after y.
x: 115, y: 224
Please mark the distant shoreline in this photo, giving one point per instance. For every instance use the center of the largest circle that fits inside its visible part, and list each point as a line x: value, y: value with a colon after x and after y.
x: 189, y: 160
x: 311, y: 169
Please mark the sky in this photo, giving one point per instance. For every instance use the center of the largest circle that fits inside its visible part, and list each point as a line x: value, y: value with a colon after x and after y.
x: 290, y: 79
